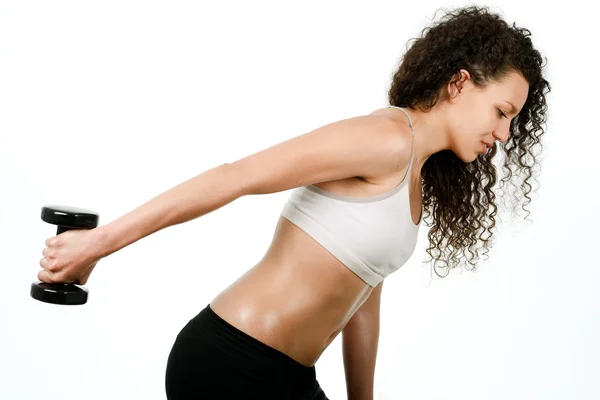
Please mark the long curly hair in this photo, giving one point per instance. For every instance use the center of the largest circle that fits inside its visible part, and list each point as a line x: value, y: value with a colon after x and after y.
x: 459, y: 204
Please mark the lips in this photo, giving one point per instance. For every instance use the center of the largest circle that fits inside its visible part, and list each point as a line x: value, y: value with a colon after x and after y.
x: 485, y: 146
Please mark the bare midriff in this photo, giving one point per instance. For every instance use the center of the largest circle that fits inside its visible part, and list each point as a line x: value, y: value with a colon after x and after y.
x: 296, y: 299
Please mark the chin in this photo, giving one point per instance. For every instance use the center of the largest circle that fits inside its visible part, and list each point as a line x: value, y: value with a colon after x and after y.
x: 468, y: 157
x: 473, y: 158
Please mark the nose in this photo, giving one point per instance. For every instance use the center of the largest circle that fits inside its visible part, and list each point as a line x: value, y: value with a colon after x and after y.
x: 502, y: 133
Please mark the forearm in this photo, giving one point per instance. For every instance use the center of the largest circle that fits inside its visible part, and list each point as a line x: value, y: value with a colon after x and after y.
x: 191, y: 199
x: 360, y: 338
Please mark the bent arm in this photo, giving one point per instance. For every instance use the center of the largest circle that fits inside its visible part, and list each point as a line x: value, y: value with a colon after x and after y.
x: 360, y: 338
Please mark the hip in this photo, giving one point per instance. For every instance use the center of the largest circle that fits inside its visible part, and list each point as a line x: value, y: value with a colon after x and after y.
x: 212, y: 359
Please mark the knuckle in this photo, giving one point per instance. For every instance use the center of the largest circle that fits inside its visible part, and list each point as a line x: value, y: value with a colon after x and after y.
x: 53, y: 241
x: 53, y: 267
x: 44, y: 276
x: 58, y: 276
x: 47, y: 252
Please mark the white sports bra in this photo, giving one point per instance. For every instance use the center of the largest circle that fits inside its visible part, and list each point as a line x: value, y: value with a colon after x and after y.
x: 372, y: 236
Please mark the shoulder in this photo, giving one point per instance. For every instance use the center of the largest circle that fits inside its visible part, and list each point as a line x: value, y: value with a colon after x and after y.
x: 399, y: 133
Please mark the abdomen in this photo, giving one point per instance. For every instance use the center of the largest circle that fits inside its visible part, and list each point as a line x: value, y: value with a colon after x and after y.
x: 296, y: 299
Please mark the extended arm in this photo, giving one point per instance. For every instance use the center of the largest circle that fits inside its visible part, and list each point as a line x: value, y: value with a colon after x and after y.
x: 367, y: 146
x: 360, y: 338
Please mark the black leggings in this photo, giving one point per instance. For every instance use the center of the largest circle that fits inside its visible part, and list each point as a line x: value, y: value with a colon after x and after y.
x: 212, y: 359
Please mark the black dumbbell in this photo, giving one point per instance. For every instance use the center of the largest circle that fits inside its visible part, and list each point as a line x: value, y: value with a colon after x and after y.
x: 66, y: 218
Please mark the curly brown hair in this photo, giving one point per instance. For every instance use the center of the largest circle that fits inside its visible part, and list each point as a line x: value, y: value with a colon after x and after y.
x: 459, y: 196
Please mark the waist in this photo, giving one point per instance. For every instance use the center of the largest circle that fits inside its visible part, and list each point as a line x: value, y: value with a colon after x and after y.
x: 296, y: 299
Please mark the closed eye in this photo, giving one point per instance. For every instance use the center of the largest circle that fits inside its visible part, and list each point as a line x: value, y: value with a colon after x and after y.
x: 501, y: 114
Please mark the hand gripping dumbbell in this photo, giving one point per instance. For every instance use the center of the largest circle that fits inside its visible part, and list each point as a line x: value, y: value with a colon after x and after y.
x: 66, y: 218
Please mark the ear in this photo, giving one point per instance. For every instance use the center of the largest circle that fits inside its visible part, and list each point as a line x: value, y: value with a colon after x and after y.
x: 457, y: 83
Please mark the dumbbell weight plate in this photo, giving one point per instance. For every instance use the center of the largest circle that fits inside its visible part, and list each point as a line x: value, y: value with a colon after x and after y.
x: 68, y: 218
x: 59, y: 293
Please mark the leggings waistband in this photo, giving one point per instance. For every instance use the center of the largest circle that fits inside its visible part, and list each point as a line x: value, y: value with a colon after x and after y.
x: 256, y: 345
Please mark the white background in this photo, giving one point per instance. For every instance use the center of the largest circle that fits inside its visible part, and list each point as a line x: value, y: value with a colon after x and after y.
x: 104, y: 105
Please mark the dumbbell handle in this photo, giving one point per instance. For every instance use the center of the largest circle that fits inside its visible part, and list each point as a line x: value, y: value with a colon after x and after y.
x: 61, y: 229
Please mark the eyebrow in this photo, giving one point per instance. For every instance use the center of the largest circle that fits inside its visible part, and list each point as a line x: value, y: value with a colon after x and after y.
x: 513, y: 109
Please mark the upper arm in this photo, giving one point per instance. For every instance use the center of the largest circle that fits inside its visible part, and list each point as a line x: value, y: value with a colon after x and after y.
x: 367, y: 146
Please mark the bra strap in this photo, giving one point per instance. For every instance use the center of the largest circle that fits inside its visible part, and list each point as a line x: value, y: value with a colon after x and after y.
x: 413, y: 134
x: 409, y: 119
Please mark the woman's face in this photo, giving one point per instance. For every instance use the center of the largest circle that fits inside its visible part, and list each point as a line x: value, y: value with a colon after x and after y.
x: 483, y: 115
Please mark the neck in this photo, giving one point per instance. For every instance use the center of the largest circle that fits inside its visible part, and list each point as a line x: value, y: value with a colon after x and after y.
x: 430, y: 133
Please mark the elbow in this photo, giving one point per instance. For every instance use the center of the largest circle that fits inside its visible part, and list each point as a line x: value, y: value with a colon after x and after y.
x: 231, y: 178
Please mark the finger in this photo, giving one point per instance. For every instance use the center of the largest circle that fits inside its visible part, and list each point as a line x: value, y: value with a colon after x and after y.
x: 51, y: 241
x: 49, y: 253
x: 53, y: 277
x: 49, y: 265
x: 45, y: 276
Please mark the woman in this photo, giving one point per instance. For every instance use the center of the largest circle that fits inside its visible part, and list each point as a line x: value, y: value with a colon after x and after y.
x: 360, y: 186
